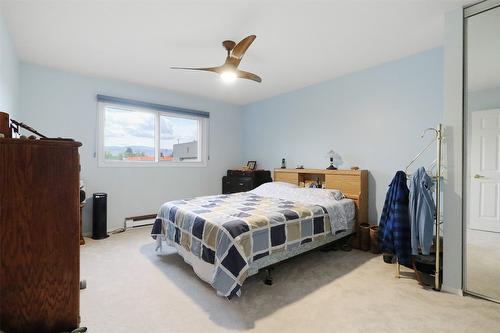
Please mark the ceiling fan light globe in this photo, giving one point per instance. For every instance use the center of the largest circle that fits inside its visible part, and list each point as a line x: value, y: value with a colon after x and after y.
x: 228, y: 76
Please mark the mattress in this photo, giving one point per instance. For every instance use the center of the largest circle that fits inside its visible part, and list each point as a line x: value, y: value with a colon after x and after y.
x: 223, y: 236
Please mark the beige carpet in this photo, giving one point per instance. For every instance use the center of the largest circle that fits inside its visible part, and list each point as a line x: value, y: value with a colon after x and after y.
x: 132, y: 289
x: 483, y: 263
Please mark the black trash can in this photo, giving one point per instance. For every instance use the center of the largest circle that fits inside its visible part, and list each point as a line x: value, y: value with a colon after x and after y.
x: 100, y: 216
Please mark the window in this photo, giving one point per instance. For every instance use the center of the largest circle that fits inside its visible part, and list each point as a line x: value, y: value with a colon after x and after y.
x: 128, y: 135
x: 179, y: 138
x: 131, y: 135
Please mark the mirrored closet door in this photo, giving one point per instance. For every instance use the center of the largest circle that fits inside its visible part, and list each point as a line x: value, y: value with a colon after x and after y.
x: 482, y: 149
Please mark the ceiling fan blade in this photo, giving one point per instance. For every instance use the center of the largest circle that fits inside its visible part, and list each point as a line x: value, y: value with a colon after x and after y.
x: 240, y: 48
x: 248, y: 76
x: 217, y: 69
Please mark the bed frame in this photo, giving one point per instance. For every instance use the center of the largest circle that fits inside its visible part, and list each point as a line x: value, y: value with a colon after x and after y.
x: 352, y: 183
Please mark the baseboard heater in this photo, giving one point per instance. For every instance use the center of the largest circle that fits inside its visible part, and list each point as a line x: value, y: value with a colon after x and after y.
x: 139, y: 221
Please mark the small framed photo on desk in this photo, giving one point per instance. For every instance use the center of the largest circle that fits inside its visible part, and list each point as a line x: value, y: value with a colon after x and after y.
x: 251, y: 165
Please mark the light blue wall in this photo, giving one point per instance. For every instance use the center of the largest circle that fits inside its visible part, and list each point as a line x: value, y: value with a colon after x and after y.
x: 8, y: 73
x: 373, y: 118
x: 63, y: 104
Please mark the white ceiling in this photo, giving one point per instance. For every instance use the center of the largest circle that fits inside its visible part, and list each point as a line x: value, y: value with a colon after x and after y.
x: 298, y: 43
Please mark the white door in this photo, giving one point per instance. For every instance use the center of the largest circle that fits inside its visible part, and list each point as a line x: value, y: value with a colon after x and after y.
x: 485, y: 171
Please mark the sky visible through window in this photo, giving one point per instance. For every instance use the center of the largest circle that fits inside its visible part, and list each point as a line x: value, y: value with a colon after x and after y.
x: 176, y: 130
x: 130, y: 135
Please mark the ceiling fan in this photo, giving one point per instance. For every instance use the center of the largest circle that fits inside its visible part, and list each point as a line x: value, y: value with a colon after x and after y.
x: 229, y: 70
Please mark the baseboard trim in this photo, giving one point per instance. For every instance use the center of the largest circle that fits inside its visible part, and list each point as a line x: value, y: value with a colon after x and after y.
x: 452, y: 290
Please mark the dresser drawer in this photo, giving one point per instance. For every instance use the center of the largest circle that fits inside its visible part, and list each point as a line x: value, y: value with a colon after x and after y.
x: 241, y: 184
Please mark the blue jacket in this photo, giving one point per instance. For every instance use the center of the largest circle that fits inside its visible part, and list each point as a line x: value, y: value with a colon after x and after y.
x: 422, y: 210
x: 394, y: 226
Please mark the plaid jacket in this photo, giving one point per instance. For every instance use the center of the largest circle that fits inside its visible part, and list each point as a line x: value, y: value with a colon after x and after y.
x: 394, y: 227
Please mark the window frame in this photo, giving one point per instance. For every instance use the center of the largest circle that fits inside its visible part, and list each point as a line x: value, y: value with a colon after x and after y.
x: 203, y: 129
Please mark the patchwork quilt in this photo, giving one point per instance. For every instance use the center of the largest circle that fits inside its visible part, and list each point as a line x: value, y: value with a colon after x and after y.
x: 231, y: 231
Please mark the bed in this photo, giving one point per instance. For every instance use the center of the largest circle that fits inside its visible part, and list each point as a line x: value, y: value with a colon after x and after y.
x: 226, y: 238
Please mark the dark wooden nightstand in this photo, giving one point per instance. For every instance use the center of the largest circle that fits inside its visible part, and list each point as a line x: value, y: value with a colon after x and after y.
x: 242, y: 180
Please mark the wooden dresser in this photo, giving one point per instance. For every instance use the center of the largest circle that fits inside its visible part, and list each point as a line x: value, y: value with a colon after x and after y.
x: 39, y: 235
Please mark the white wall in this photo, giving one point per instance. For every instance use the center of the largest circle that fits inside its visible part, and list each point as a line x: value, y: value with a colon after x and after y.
x: 9, y: 72
x: 483, y: 99
x: 373, y: 118
x: 63, y: 104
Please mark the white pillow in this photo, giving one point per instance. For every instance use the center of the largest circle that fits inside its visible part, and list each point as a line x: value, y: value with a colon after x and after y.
x: 274, y: 189
x: 276, y: 184
x: 325, y: 193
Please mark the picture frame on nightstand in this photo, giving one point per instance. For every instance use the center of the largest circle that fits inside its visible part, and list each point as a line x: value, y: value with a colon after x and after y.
x: 251, y: 165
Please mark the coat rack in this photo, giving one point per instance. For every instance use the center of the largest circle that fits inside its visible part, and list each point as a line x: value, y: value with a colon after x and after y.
x: 437, y: 220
